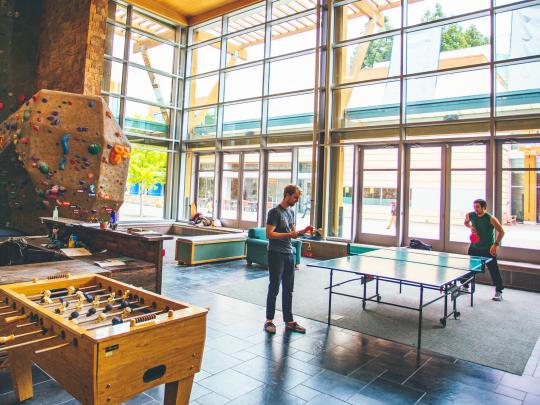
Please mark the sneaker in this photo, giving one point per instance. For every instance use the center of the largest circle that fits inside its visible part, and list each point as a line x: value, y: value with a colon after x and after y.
x: 497, y: 296
x: 269, y: 327
x: 464, y: 289
x: 295, y: 327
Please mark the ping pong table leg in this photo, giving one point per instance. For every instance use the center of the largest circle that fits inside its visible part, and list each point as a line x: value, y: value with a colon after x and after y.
x: 473, y: 287
x: 443, y: 320
x: 365, y: 292
x: 420, y: 307
x: 330, y: 295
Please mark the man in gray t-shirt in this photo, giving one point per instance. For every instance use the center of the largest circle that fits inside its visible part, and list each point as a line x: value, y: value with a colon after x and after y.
x: 280, y: 229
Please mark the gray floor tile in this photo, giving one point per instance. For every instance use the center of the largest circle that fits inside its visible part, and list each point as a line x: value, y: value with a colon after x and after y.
x: 230, y: 384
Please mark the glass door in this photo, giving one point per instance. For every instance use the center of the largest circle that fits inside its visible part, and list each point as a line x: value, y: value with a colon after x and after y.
x: 443, y: 181
x: 240, y: 189
x: 425, y: 189
x: 379, y: 205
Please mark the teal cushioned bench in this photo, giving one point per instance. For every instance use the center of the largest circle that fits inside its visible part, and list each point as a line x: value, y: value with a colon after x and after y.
x: 356, y: 249
x: 257, y: 248
x: 210, y: 248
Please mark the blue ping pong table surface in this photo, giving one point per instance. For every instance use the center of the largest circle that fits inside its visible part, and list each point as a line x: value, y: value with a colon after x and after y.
x: 402, y: 264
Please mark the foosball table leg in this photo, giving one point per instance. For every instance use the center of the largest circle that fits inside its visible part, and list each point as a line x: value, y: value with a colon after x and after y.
x: 178, y: 392
x: 21, y: 375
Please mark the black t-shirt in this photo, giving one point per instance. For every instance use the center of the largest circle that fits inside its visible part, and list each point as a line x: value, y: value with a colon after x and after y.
x: 283, y: 220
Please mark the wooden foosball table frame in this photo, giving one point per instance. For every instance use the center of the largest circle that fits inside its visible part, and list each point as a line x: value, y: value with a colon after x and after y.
x: 155, y: 340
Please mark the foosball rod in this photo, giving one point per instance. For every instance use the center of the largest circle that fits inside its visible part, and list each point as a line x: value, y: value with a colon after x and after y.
x: 10, y: 338
x: 113, y: 314
x: 101, y: 325
x: 67, y: 315
x: 31, y: 342
x: 48, y: 349
x: 57, y: 292
x: 23, y: 325
x: 8, y: 313
x: 70, y: 301
x: 67, y: 296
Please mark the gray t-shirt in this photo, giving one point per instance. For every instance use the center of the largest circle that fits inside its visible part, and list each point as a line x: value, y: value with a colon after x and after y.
x: 283, y: 220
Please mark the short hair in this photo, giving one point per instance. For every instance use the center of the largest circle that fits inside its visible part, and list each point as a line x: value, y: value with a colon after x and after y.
x: 481, y: 202
x: 291, y: 189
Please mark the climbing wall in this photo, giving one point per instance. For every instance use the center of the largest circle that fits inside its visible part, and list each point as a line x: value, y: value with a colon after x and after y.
x: 65, y: 150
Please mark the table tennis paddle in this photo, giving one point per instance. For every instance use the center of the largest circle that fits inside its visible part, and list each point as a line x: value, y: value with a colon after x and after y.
x: 474, y: 237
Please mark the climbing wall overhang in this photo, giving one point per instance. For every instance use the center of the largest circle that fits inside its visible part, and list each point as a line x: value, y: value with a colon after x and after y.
x: 74, y: 154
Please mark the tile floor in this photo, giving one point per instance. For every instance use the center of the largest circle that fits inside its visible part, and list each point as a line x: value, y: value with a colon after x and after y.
x: 327, y: 366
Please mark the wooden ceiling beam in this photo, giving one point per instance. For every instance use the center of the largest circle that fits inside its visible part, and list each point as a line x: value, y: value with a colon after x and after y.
x: 162, y: 10
x: 219, y: 11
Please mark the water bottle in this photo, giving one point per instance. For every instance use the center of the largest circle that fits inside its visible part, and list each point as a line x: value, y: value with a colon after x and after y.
x: 55, y: 213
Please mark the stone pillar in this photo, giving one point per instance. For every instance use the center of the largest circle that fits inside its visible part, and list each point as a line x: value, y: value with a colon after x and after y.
x: 71, y: 46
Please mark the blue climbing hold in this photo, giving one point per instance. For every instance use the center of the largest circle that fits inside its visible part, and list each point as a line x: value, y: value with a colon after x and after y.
x: 65, y: 146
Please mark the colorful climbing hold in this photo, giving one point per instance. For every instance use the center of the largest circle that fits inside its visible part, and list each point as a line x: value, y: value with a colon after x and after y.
x: 43, y: 168
x: 91, y: 104
x: 94, y: 149
x: 65, y: 146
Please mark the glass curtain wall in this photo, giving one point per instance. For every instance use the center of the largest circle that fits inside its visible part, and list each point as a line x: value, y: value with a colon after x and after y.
x: 250, y: 78
x: 411, y: 73
x: 141, y: 82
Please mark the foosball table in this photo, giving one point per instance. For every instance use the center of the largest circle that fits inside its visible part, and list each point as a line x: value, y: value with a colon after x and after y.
x: 102, y: 340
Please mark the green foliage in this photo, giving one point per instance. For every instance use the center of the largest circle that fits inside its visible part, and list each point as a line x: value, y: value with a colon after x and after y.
x: 432, y: 16
x: 147, y: 167
x: 379, y: 50
x: 453, y: 37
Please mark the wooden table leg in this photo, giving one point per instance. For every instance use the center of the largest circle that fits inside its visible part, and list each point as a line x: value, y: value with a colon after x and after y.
x: 178, y: 392
x: 20, y: 366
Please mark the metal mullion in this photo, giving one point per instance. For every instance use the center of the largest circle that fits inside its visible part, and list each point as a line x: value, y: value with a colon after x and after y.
x: 123, y: 87
x: 155, y: 138
x: 402, y: 82
x: 349, y: 85
x: 151, y: 36
x: 358, y: 187
x: 288, y: 94
x: 207, y: 42
x: 240, y: 67
x: 517, y: 61
x: 113, y: 58
x: 432, y: 73
x: 291, y: 17
x: 446, y: 181
x: 291, y: 55
x: 515, y: 6
x: 156, y: 71
x: 203, y: 75
x: 266, y: 76
x: 153, y: 103
x: 492, y: 77
x: 367, y: 38
x: 448, y: 20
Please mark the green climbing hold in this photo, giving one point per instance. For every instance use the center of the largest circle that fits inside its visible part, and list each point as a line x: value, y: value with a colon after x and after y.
x: 94, y: 149
x: 43, y: 168
x: 26, y: 115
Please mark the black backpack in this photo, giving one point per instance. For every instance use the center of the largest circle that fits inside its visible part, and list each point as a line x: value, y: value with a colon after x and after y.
x: 418, y: 244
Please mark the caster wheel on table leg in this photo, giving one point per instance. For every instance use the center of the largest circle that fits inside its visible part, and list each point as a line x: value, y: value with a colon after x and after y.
x: 443, y: 322
x: 378, y: 298
x: 457, y: 315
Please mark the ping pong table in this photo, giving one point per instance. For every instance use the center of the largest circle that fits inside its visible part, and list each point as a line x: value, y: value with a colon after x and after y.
x: 427, y: 270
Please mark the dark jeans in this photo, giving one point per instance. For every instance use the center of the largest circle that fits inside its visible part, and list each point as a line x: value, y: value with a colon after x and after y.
x: 492, y: 266
x: 280, y: 269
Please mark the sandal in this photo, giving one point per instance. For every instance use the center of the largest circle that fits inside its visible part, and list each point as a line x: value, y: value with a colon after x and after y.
x: 295, y: 327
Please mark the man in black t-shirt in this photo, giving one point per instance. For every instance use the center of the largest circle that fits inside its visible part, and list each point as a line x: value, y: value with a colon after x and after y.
x: 280, y: 229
